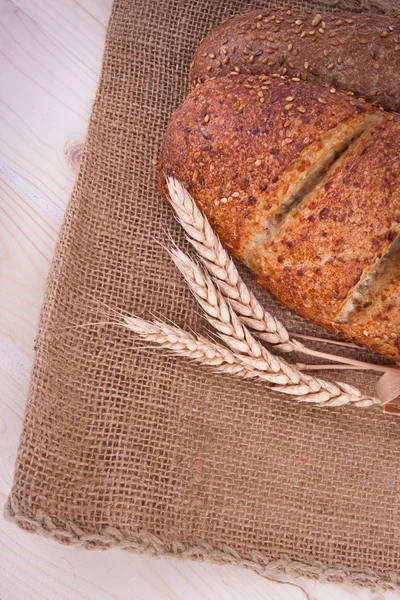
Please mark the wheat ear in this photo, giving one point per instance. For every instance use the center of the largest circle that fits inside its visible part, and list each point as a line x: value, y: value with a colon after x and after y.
x: 221, y: 315
x: 205, y: 352
x: 236, y: 335
x: 225, y: 274
x: 197, y: 348
x: 223, y: 270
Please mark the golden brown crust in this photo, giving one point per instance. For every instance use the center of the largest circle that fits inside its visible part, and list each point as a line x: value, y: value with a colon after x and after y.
x: 377, y: 325
x: 357, y: 52
x: 239, y: 149
x: 233, y: 137
x: 339, y: 232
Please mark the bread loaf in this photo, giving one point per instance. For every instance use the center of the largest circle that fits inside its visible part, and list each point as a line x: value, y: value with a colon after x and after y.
x: 356, y: 52
x: 303, y: 185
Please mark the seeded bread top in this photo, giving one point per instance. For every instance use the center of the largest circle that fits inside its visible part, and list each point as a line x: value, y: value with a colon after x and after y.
x: 355, y: 52
x: 232, y: 139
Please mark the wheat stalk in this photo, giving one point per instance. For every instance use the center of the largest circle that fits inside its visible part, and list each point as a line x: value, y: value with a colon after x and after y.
x: 224, y: 273
x: 241, y: 300
x: 223, y: 270
x: 200, y: 349
x: 236, y: 335
x: 224, y: 319
x: 205, y: 352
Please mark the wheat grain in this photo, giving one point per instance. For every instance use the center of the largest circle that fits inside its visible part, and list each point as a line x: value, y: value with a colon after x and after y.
x: 243, y: 302
x: 224, y: 319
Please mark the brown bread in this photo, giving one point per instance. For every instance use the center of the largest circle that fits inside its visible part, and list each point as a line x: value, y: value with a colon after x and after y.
x: 303, y: 185
x: 356, y: 52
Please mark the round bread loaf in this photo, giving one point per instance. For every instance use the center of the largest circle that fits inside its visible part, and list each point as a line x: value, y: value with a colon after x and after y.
x: 303, y: 185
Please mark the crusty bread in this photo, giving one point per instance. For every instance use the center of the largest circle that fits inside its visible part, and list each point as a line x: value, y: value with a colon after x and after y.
x: 303, y: 185
x: 356, y: 52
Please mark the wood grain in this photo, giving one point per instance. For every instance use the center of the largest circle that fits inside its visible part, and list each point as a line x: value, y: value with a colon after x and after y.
x: 50, y: 58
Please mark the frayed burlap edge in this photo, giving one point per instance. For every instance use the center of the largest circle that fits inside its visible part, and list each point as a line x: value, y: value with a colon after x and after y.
x: 147, y: 543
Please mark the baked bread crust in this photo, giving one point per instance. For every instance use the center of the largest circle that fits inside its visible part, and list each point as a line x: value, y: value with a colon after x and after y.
x: 356, y: 52
x: 302, y: 185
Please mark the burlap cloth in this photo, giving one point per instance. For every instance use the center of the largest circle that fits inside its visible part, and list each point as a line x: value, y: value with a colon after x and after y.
x: 126, y: 446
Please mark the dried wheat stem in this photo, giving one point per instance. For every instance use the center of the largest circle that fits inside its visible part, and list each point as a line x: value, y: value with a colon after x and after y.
x: 313, y: 338
x: 325, y: 367
x: 239, y: 339
x: 224, y: 319
x: 222, y: 268
x: 198, y: 348
x: 209, y: 353
x: 350, y: 362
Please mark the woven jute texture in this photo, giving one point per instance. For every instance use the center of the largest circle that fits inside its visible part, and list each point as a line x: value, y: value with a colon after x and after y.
x: 125, y: 446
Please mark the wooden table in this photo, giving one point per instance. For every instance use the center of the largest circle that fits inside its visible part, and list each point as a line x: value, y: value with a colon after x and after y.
x: 49, y: 66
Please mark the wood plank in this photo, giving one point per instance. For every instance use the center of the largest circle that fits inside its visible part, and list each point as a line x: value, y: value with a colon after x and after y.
x: 51, y: 77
